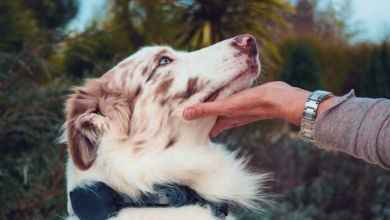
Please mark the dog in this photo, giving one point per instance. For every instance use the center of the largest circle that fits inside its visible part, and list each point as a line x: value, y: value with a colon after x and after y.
x: 127, y: 138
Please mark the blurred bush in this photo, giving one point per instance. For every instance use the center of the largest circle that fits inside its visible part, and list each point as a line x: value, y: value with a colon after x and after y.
x: 40, y: 59
x: 300, y: 65
x: 31, y: 102
x: 315, y: 184
x: 376, y: 76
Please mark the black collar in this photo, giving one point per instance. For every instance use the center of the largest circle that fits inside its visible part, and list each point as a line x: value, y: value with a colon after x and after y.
x: 99, y: 201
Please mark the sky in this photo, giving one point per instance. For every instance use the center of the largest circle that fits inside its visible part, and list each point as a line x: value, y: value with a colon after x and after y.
x: 371, y: 18
x: 375, y: 17
x: 88, y: 9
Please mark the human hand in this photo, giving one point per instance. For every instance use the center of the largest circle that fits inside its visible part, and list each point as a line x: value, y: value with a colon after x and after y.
x: 270, y: 100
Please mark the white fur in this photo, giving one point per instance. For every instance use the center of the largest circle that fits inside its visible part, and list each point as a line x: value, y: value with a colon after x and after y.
x: 210, y: 169
x: 185, y: 213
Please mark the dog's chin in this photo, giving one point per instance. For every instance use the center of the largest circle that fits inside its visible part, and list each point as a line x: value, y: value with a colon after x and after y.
x: 240, y: 82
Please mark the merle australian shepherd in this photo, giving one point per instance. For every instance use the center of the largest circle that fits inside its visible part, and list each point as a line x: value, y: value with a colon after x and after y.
x: 133, y: 156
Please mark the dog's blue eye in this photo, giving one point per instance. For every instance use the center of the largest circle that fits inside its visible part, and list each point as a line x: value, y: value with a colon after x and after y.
x: 165, y: 60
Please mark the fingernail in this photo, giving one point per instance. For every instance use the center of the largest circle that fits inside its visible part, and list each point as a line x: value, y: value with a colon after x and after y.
x: 188, y: 114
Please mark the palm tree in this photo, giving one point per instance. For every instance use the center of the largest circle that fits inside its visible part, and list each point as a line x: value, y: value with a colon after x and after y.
x: 203, y: 22
x: 189, y: 24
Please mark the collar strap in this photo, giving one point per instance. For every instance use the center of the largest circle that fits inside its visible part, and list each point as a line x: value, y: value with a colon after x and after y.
x: 99, y: 201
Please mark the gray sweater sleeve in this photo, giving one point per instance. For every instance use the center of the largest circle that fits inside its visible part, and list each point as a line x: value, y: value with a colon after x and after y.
x: 357, y: 126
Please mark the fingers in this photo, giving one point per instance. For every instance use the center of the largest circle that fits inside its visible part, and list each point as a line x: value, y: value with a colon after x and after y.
x: 230, y: 106
x: 221, y: 125
x: 224, y: 123
x: 203, y: 110
x: 244, y: 103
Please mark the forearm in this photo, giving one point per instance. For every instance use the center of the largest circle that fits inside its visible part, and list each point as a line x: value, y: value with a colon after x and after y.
x: 357, y: 126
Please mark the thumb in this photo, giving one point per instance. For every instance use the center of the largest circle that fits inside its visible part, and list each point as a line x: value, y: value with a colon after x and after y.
x: 203, y: 110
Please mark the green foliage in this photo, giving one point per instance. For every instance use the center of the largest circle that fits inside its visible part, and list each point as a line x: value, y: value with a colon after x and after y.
x: 26, y: 42
x: 125, y: 29
x: 32, y: 165
x: 301, y: 68
x: 31, y: 103
x: 335, y: 66
x: 181, y: 24
x: 212, y: 21
x: 94, y: 53
x: 376, y: 77
x: 17, y: 26
x: 316, y: 184
x: 52, y: 14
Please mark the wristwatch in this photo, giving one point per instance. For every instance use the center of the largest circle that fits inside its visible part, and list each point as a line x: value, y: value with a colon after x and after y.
x: 310, y: 113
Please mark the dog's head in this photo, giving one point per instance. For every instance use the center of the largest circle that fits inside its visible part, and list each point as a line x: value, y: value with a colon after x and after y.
x: 141, y: 100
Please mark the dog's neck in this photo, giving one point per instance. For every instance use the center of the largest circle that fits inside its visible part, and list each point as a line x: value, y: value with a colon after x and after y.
x: 196, y: 132
x: 162, y: 147
x: 167, y: 128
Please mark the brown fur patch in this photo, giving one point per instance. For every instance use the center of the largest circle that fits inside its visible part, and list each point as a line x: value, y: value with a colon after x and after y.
x: 151, y: 74
x: 163, y: 101
x: 137, y: 91
x: 164, y: 86
x: 191, y: 87
x: 89, y: 112
x: 140, y: 142
x: 238, y: 54
x: 170, y: 143
x: 179, y: 95
x: 156, y: 60
x: 144, y: 70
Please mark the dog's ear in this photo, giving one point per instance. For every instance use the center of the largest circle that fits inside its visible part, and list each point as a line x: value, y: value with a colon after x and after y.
x: 91, y: 112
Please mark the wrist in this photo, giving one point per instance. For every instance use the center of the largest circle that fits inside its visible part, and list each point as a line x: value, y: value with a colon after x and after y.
x: 326, y: 104
x: 292, y: 109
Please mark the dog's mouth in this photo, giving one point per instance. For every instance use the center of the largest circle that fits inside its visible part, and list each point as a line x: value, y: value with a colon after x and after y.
x: 215, y: 94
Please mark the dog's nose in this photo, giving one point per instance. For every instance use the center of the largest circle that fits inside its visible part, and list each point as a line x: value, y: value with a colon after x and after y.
x: 246, y: 42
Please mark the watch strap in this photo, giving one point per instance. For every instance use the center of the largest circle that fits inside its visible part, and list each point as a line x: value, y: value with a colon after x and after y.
x: 310, y: 113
